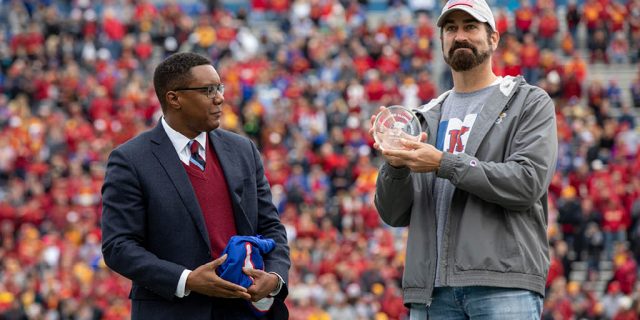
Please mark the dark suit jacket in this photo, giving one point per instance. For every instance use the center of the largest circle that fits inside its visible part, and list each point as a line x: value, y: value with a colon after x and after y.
x: 153, y: 227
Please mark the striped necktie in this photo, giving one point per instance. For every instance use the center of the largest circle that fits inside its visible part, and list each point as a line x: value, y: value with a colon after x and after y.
x: 196, y: 159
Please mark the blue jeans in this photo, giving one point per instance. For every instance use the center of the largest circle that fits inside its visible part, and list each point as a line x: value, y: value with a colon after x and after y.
x: 479, y: 303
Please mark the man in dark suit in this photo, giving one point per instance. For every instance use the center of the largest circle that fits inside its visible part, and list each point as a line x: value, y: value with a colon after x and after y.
x: 172, y: 198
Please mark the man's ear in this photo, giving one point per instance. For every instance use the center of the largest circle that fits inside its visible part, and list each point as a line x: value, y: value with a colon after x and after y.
x: 495, y: 38
x: 172, y: 100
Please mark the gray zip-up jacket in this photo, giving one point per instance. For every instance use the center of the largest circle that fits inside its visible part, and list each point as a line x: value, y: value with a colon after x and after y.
x: 495, y: 233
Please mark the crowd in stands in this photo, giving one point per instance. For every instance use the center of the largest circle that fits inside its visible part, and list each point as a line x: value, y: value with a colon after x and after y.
x: 302, y: 79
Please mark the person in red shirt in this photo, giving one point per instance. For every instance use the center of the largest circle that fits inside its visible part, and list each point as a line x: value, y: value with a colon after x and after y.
x: 143, y: 48
x: 547, y: 29
x: 502, y: 21
x: 617, y: 13
x: 392, y: 302
x: 576, y: 66
x: 374, y: 87
x: 524, y: 18
x: 112, y: 26
x: 615, y: 221
x: 279, y: 7
x: 426, y: 88
x: 592, y: 11
x: 530, y: 59
x: 424, y: 26
x: 389, y: 61
x: 556, y: 269
x: 557, y: 304
x: 625, y: 268
x: 362, y: 61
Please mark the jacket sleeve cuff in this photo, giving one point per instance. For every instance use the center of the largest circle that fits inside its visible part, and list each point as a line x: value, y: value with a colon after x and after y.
x: 447, y: 165
x: 395, y: 173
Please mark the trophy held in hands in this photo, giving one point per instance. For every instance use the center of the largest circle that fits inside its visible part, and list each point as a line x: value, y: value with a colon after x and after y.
x: 393, y: 124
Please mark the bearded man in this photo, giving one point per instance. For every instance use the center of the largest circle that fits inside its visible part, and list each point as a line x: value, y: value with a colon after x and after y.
x: 473, y: 190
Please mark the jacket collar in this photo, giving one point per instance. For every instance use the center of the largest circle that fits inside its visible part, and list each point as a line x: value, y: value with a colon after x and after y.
x: 497, y: 103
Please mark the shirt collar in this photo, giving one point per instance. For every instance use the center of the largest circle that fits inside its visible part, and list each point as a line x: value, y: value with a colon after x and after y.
x: 178, y: 140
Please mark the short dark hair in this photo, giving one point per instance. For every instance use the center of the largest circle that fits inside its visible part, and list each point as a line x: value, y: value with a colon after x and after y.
x: 174, y: 72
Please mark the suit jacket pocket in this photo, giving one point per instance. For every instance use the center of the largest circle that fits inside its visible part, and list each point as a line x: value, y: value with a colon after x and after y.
x: 141, y: 293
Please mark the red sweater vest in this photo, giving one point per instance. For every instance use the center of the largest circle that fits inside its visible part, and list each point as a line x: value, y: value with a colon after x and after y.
x: 212, y: 192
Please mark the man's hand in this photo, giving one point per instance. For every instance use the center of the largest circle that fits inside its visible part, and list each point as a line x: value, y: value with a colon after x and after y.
x: 263, y: 283
x: 418, y: 156
x: 206, y: 281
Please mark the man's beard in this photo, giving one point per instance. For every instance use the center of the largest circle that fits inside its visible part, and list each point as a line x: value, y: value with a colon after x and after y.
x: 463, y: 60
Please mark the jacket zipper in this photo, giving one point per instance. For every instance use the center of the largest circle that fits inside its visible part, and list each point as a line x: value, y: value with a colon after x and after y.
x: 445, y: 246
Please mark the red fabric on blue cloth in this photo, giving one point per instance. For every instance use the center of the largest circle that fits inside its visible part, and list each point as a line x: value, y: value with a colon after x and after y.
x: 244, y: 251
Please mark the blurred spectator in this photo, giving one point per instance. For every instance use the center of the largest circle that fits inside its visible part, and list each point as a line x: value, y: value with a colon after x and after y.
x: 618, y: 48
x: 557, y: 306
x: 569, y: 214
x: 635, y: 91
x: 572, y: 18
x: 530, y: 59
x: 613, y: 300
x: 598, y: 45
x: 593, y: 12
x: 590, y: 241
x: 596, y: 97
x: 567, y: 44
x: 547, y: 29
x: 524, y: 19
x: 426, y: 88
x: 614, y: 94
x: 502, y: 21
x: 633, y: 32
x: 626, y: 311
x: 615, y: 221
x: 625, y: 269
x: 617, y: 13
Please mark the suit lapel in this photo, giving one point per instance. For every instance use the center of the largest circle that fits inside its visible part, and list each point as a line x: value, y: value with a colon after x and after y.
x: 164, y: 151
x: 229, y: 157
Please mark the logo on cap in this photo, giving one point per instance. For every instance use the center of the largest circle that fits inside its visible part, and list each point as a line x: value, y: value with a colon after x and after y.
x: 454, y: 3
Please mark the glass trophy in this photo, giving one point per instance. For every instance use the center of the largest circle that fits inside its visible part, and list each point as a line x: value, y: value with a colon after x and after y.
x: 393, y: 124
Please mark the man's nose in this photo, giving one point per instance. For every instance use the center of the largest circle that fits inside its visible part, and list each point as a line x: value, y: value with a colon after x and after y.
x: 218, y: 99
x: 460, y: 36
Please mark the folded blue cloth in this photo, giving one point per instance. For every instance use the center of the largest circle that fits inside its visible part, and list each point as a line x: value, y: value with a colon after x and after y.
x: 246, y: 252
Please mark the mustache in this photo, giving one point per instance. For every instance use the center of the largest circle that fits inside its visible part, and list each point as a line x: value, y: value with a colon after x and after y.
x: 461, y: 45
